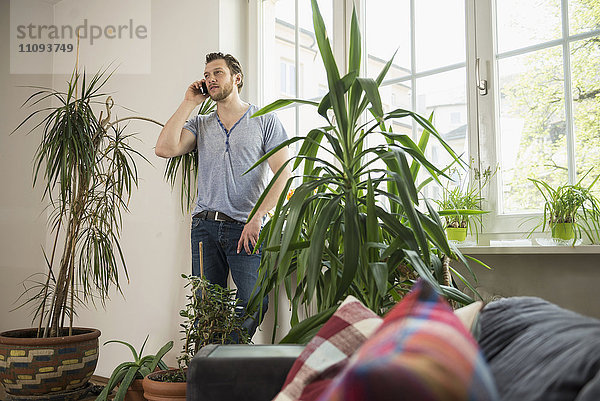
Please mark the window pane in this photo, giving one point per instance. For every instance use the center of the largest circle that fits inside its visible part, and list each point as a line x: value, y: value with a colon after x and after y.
x: 287, y: 117
x: 439, y: 33
x: 382, y: 41
x: 585, y: 67
x: 532, y: 126
x: 584, y: 15
x: 313, y: 78
x: 445, y: 96
x: 524, y: 23
x: 309, y: 119
x: 396, y: 96
x: 279, y: 50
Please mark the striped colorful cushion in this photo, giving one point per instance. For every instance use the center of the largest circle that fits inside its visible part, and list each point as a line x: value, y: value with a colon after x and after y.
x: 329, y: 351
x: 420, y: 352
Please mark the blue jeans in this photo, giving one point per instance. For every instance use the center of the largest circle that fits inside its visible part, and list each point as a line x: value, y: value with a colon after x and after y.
x: 219, y: 250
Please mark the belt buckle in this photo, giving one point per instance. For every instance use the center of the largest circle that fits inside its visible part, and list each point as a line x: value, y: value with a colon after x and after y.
x: 217, y: 217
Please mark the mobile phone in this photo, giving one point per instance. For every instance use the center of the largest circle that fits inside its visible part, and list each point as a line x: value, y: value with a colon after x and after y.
x: 203, y: 89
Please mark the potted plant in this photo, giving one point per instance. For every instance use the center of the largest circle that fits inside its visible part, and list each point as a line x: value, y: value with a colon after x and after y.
x: 569, y: 210
x: 129, y: 375
x: 210, y: 317
x: 461, y: 202
x: 88, y: 170
x: 353, y: 221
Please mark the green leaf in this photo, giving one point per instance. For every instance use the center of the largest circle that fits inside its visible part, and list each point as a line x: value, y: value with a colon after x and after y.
x: 372, y: 91
x: 380, y: 274
x: 161, y: 353
x: 303, y: 332
x: 351, y: 245
x: 336, y: 91
x: 133, y: 351
x: 317, y: 244
x: 279, y: 104
x: 125, y: 383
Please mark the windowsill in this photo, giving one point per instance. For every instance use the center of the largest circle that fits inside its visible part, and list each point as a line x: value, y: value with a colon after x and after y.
x: 508, y: 248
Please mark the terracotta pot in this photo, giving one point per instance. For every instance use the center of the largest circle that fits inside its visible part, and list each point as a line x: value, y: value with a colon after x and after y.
x: 456, y: 234
x: 163, y: 391
x: 135, y: 391
x: 31, y: 367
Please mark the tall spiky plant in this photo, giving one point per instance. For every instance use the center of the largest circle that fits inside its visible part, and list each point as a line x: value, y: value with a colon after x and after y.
x: 352, y: 227
x: 88, y: 171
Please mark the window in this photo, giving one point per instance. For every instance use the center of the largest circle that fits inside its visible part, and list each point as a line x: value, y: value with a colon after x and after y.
x: 429, y: 70
x: 287, y: 78
x: 541, y: 60
x: 289, y: 44
x: 541, y: 118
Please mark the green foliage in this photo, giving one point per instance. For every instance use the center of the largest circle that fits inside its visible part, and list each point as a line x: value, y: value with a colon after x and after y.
x: 571, y: 204
x: 88, y: 171
x: 351, y: 226
x: 187, y: 166
x: 210, y: 318
x: 127, y: 372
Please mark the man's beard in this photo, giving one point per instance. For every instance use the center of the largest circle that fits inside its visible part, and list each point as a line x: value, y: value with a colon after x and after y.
x: 225, y: 91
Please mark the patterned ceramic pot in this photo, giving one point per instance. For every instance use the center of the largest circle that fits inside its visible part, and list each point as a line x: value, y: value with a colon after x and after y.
x: 32, y: 366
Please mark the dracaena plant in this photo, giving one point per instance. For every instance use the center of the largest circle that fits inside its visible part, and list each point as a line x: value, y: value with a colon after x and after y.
x: 352, y: 226
x: 88, y: 170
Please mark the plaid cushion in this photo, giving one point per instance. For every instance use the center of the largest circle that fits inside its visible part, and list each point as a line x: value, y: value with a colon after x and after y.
x: 420, y: 352
x: 328, y: 352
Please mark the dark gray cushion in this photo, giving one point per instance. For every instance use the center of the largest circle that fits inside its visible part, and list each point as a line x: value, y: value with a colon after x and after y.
x: 539, y: 351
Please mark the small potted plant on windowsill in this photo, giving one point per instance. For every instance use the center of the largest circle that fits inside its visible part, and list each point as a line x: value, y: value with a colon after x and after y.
x: 129, y: 375
x: 461, y: 204
x: 210, y: 318
x: 570, y: 210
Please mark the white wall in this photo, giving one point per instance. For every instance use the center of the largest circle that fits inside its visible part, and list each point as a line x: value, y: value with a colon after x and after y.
x: 22, y: 219
x: 568, y: 280
x: 155, y: 236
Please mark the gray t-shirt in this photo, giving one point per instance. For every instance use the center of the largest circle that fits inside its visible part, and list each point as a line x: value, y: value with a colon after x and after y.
x: 224, y: 156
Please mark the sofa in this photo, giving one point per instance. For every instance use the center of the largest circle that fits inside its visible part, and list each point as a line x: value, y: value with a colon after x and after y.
x: 518, y: 348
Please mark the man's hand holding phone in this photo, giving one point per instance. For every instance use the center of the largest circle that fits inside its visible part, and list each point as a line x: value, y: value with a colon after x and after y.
x: 196, y: 92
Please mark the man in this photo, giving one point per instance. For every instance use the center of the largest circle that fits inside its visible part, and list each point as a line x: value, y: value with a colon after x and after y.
x: 229, y: 142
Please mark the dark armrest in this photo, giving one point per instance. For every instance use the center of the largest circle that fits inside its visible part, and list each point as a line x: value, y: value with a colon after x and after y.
x: 239, y: 372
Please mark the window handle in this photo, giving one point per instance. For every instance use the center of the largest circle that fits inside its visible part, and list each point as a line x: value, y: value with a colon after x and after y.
x: 481, y: 83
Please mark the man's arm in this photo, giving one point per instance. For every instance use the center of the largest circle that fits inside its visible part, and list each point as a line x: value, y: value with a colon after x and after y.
x: 252, y: 228
x: 173, y: 139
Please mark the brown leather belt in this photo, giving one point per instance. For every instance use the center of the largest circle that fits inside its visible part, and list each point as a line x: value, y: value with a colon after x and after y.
x: 218, y: 216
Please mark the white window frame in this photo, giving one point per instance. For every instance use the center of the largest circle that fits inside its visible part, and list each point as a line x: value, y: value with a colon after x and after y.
x: 499, y: 224
x: 483, y: 127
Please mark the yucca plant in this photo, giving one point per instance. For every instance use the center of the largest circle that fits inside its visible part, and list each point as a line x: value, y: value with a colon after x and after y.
x: 351, y: 226
x: 88, y: 169
x: 573, y: 204
x: 186, y: 166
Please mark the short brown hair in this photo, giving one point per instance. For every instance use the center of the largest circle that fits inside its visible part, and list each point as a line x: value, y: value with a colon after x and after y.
x: 232, y: 63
